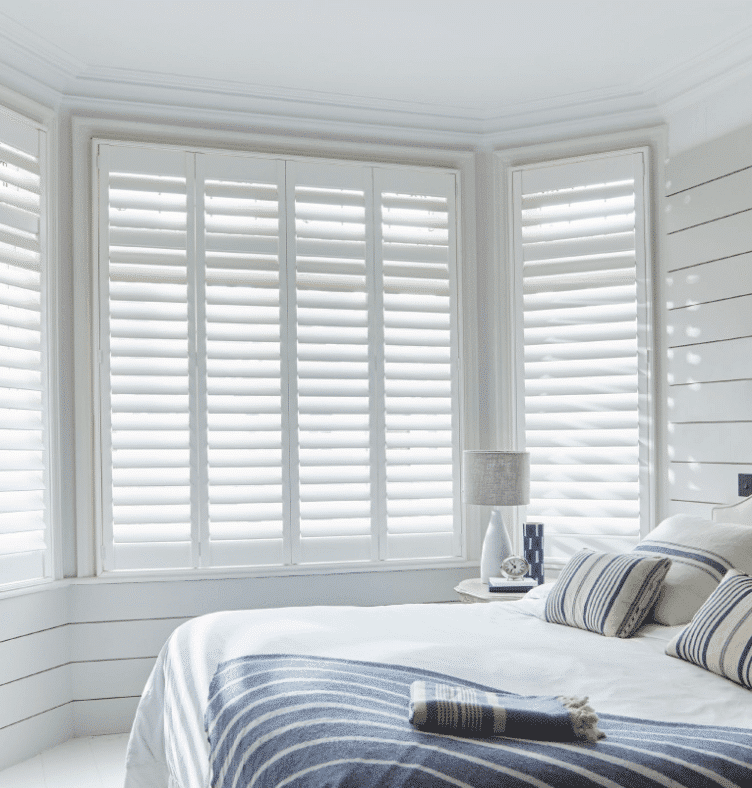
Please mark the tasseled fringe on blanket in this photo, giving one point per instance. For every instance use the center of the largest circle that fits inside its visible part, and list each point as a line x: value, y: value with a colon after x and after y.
x: 584, y: 719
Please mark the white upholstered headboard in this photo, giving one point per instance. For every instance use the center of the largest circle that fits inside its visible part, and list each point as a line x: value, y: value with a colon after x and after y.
x: 740, y: 512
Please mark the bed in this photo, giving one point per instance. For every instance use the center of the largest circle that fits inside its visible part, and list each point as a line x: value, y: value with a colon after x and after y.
x: 667, y: 721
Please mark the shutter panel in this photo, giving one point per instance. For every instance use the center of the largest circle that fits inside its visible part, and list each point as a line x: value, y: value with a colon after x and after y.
x: 332, y: 402
x: 579, y: 230
x: 242, y: 358
x: 25, y: 554
x: 146, y: 414
x: 417, y: 249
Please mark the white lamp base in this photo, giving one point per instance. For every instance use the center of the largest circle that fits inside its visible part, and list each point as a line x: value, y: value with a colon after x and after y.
x: 496, y: 546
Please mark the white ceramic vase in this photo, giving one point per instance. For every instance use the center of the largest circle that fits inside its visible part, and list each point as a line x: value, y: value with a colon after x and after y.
x: 496, y: 546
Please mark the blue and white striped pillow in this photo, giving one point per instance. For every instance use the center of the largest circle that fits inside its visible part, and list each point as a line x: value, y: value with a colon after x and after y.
x: 607, y: 593
x: 701, y: 553
x: 719, y: 637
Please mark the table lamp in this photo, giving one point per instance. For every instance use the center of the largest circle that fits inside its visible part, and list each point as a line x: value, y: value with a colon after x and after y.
x: 498, y: 479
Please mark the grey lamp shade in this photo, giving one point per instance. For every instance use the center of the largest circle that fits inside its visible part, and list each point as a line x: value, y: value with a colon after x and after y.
x: 496, y: 478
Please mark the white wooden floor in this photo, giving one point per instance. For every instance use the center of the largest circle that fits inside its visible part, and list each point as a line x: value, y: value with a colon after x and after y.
x: 88, y: 762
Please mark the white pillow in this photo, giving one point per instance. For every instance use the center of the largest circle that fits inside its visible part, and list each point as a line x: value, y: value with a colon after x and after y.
x: 701, y: 553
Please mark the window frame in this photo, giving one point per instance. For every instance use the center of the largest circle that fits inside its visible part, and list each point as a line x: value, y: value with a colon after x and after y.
x: 510, y: 356
x: 96, y: 531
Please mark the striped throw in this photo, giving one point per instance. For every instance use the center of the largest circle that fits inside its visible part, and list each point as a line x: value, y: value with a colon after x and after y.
x: 607, y: 593
x: 719, y: 637
x: 701, y: 553
x: 464, y: 711
x: 313, y: 722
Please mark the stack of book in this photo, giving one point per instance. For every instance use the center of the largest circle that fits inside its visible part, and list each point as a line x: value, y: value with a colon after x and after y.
x: 503, y: 585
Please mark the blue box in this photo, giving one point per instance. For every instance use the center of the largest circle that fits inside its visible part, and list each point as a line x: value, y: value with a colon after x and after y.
x: 532, y: 550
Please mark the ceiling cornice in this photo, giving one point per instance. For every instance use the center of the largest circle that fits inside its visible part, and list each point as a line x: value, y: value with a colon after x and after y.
x: 36, y: 57
x: 54, y: 76
x: 703, y: 74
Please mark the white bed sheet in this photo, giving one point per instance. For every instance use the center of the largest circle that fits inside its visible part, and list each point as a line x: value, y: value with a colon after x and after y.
x: 502, y: 645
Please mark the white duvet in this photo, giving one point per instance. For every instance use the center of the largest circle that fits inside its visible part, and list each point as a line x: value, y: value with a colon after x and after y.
x: 502, y: 645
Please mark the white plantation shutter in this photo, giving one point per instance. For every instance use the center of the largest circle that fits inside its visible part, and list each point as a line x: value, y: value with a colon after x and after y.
x: 146, y: 251
x: 279, y: 362
x: 332, y: 403
x: 579, y: 234
x: 25, y: 549
x: 239, y: 367
x: 421, y: 406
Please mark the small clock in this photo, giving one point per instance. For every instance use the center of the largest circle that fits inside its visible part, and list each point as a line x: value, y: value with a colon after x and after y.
x: 514, y: 567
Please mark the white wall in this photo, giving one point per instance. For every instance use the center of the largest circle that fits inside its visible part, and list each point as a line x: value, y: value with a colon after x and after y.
x: 708, y: 222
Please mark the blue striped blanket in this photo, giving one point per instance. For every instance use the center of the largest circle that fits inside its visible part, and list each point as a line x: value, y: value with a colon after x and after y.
x: 310, y: 722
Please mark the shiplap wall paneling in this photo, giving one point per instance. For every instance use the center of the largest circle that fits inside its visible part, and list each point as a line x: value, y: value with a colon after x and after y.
x: 92, y: 602
x: 118, y: 628
x: 106, y: 715
x: 709, y: 322
x: 112, y: 660
x: 706, y: 362
x: 34, y: 695
x: 701, y: 480
x: 35, y: 684
x: 29, y: 737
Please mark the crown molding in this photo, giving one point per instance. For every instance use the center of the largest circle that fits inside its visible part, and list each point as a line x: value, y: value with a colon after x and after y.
x: 702, y: 76
x: 36, y: 57
x: 37, y: 68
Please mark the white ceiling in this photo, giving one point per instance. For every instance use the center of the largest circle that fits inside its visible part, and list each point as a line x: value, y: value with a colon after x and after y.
x: 479, y: 61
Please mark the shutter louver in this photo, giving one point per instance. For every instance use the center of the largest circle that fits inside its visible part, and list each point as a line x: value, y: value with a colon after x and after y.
x: 147, y: 245
x: 417, y: 245
x: 577, y: 224
x: 243, y: 373
x: 25, y: 554
x: 334, y: 403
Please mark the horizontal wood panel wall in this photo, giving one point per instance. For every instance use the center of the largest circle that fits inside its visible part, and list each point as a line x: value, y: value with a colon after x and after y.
x: 74, y: 658
x: 709, y: 322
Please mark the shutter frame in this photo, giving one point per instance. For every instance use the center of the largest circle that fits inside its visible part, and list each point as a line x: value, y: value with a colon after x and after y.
x: 332, y: 227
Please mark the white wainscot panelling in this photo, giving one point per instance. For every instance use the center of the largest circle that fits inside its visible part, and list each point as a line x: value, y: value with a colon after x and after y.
x: 186, y: 599
x: 109, y: 678
x: 34, y: 695
x: 728, y: 319
x: 712, y: 442
x: 33, y: 611
x: 28, y: 738
x: 102, y: 640
x: 710, y: 160
x: 25, y: 656
x: 688, y: 507
x: 705, y: 482
x: 711, y: 361
x: 97, y: 717
x: 709, y: 201
x: 723, y: 238
x: 718, y: 401
x: 721, y: 279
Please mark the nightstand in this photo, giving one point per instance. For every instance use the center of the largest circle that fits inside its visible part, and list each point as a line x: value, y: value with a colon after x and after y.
x: 475, y: 590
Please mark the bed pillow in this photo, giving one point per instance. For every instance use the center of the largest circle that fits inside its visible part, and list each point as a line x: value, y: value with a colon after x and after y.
x: 701, y: 553
x: 608, y: 593
x: 719, y: 637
